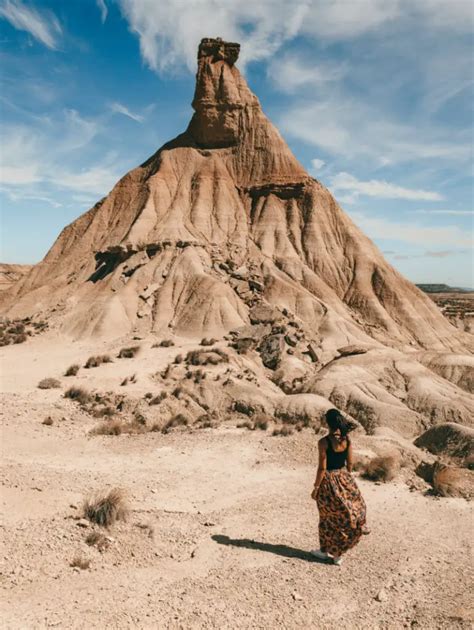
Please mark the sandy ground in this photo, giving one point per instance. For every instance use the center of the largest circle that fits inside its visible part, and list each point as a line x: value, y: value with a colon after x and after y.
x: 220, y: 526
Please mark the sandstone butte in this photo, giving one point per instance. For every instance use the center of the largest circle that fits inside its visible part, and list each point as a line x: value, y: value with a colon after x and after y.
x: 222, y: 223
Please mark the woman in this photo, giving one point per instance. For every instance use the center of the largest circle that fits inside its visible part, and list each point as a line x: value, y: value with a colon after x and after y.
x: 340, y: 503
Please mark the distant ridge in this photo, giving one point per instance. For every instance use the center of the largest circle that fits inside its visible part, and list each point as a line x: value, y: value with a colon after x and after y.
x: 443, y: 288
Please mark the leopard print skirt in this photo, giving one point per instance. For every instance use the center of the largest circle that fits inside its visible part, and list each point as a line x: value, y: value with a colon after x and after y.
x: 342, y: 512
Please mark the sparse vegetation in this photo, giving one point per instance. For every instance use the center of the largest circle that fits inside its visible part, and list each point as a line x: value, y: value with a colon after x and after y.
x: 158, y: 399
x: 106, y: 508
x: 176, y: 421
x: 79, y: 394
x: 207, y: 357
x: 72, y: 370
x: 178, y: 358
x: 98, y: 540
x: 17, y: 331
x: 80, y: 562
x: 381, y: 468
x: 128, y: 353
x: 95, y: 361
x: 129, y: 379
x: 165, y: 343
x: 49, y: 383
x: 111, y: 427
x: 208, y: 342
x: 283, y: 431
x: 48, y: 421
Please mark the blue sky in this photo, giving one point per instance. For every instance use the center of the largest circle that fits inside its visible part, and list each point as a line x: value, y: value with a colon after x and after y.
x: 373, y: 96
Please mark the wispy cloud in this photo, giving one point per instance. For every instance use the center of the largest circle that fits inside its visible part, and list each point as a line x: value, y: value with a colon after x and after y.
x: 293, y: 72
x: 378, y: 188
x: 317, y: 165
x: 446, y: 253
x: 43, y: 26
x: 460, y: 213
x: 411, y: 232
x: 118, y: 108
x: 103, y: 10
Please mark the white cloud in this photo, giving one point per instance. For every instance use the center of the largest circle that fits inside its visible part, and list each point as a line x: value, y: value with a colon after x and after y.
x: 118, y: 108
x: 379, y: 188
x: 44, y: 26
x: 103, y: 10
x: 293, y: 72
x: 317, y: 164
x: 467, y: 213
x: 170, y: 31
x: 408, y: 232
x: 345, y: 126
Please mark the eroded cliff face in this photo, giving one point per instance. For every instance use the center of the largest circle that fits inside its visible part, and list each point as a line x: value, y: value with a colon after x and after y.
x: 227, y: 191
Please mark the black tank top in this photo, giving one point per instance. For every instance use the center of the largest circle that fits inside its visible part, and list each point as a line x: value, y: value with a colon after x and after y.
x: 335, y: 460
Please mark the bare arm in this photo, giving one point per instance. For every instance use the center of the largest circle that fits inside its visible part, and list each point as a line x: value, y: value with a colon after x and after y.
x: 349, y: 456
x: 322, y: 463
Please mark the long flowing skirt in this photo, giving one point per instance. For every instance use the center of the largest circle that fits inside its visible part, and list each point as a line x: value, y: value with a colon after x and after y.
x: 342, y: 512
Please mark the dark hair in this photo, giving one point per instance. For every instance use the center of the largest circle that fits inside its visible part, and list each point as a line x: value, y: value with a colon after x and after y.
x: 336, y: 421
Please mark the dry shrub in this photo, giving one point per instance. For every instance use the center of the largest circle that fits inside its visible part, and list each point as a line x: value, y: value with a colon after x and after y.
x: 48, y: 421
x: 148, y: 396
x: 97, y: 539
x: 208, y: 342
x: 114, y: 427
x: 284, y: 431
x: 158, y: 399
x: 128, y: 353
x: 166, y: 343
x: 243, y: 345
x: 207, y: 357
x: 381, y: 468
x: 49, y: 383
x: 95, y: 361
x: 261, y: 422
x: 178, y: 358
x: 20, y: 338
x: 81, y: 395
x: 81, y: 562
x: 106, y: 411
x: 176, y: 421
x: 72, y: 370
x: 106, y: 508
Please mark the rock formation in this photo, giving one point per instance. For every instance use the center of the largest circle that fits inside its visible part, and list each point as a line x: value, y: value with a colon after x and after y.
x: 223, y: 230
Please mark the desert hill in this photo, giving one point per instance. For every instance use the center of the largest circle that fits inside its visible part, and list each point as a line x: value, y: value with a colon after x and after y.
x: 10, y: 274
x: 222, y: 232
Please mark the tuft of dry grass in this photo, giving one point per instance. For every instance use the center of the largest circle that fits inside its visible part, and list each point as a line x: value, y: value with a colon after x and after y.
x: 95, y: 361
x: 283, y: 432
x: 382, y: 468
x: 208, y: 342
x: 176, y: 421
x: 246, y: 425
x: 128, y: 353
x: 72, y: 370
x: 48, y: 421
x: 49, y: 383
x: 97, y: 539
x: 207, y: 357
x: 113, y: 427
x: 81, y: 562
x: 158, y: 399
x: 81, y: 395
x: 105, y: 508
x: 178, y: 358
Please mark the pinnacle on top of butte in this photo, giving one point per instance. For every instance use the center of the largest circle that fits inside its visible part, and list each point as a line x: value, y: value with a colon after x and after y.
x: 158, y: 252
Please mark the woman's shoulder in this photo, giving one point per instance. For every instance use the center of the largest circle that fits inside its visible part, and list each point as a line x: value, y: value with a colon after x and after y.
x: 323, y: 442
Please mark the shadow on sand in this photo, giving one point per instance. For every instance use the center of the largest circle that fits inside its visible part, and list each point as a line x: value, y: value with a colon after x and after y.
x: 279, y: 550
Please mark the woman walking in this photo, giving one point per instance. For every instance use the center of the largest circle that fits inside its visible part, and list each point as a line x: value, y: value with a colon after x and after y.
x: 341, y: 507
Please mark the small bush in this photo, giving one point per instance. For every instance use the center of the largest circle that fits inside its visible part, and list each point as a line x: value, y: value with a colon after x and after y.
x: 158, y: 399
x: 148, y: 396
x: 206, y: 357
x: 48, y: 421
x: 166, y: 343
x: 246, y: 425
x: 78, y: 394
x: 106, y: 508
x: 128, y: 353
x: 49, y: 383
x: 72, y: 370
x: 261, y: 422
x: 81, y: 562
x: 178, y: 358
x: 21, y: 338
x: 97, y: 360
x: 381, y: 468
x: 208, y: 342
x: 97, y: 539
x: 175, y: 421
x: 114, y: 427
x: 107, y: 411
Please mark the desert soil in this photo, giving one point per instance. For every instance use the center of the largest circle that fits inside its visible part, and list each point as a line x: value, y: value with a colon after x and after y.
x: 220, y: 526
